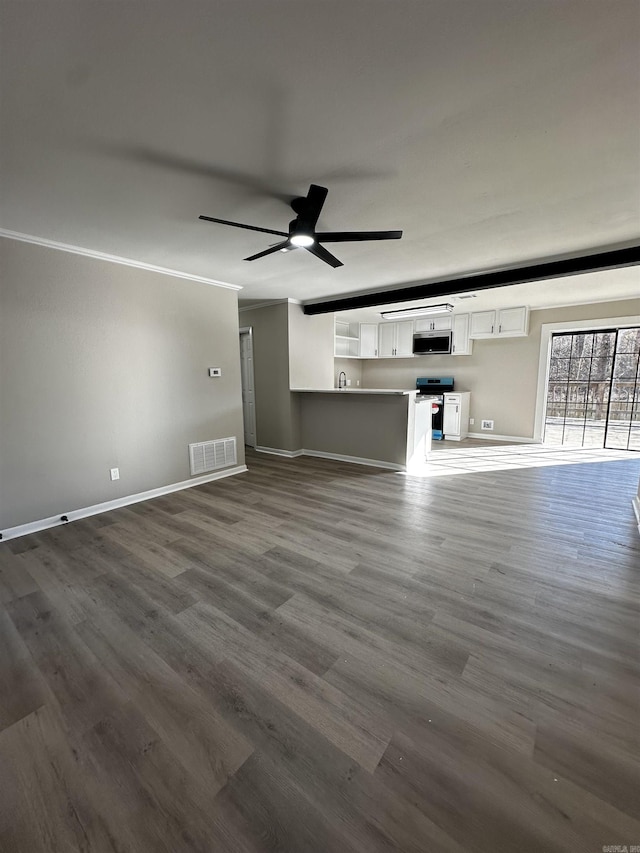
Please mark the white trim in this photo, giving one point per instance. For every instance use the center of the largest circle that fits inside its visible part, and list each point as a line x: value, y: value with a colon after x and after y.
x: 253, y: 425
x: 355, y: 460
x: 274, y: 451
x: 546, y: 331
x: 96, y: 509
x: 114, y: 259
x: 636, y: 508
x: 518, y: 439
x: 338, y: 457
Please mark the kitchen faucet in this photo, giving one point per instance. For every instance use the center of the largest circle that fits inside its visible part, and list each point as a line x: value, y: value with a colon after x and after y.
x: 342, y: 379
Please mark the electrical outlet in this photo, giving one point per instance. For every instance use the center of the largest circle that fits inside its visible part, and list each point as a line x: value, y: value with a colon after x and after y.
x: 472, y: 421
x: 215, y: 371
x: 115, y: 473
x: 487, y: 424
x: 348, y: 383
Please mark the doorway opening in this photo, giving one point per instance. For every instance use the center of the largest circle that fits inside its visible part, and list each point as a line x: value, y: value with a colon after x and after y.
x: 248, y: 385
x: 593, y: 389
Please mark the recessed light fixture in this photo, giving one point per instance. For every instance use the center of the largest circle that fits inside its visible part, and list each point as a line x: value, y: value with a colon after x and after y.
x: 424, y: 311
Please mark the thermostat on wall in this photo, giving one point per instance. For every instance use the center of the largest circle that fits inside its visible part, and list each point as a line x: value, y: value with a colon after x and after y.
x: 215, y: 371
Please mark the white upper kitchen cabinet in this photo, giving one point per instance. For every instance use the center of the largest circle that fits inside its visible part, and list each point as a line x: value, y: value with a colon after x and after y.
x: 404, y: 338
x: 505, y: 323
x: 368, y: 340
x: 482, y: 324
x: 513, y: 322
x: 346, y: 341
x: 395, y: 340
x: 434, y: 324
x: 462, y: 344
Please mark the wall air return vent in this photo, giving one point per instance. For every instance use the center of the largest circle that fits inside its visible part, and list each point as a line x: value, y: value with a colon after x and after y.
x: 210, y: 455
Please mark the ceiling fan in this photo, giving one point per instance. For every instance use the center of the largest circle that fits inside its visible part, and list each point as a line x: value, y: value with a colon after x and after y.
x: 302, y: 233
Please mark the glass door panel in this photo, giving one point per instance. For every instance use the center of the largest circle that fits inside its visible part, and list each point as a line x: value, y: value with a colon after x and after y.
x: 593, y: 392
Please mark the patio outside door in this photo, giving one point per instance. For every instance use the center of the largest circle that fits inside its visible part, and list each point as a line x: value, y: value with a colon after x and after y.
x: 593, y: 392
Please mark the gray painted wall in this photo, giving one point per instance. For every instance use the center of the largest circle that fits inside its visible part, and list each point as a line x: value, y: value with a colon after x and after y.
x: 352, y: 367
x: 501, y: 374
x: 291, y: 350
x: 277, y: 423
x: 310, y: 349
x: 101, y: 366
x: 369, y: 427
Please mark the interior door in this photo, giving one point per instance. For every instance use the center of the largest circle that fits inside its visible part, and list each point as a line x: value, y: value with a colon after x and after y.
x: 248, y: 387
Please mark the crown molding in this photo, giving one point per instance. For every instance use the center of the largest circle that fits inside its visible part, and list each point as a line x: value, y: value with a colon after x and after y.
x: 114, y: 259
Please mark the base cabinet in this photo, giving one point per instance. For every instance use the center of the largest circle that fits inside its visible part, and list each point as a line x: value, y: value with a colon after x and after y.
x: 455, y: 417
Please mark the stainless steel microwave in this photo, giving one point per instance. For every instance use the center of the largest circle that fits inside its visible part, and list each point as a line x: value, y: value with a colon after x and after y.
x: 432, y: 343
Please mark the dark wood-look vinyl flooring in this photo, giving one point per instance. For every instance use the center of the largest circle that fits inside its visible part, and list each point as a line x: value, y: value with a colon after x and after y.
x: 322, y: 657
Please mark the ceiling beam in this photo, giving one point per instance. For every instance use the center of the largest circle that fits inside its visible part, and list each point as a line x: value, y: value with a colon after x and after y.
x: 538, y: 271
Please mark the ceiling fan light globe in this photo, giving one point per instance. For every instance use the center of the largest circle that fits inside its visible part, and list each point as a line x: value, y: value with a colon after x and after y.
x: 302, y: 240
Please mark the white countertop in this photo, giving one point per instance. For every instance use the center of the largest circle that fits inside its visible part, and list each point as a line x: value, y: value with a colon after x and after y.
x: 392, y: 391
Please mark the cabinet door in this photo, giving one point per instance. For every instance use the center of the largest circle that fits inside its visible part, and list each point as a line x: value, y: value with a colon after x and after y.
x: 451, y: 415
x: 386, y: 339
x: 482, y: 324
x: 368, y: 340
x: 462, y: 345
x: 404, y: 338
x: 438, y: 324
x: 441, y: 324
x: 513, y: 322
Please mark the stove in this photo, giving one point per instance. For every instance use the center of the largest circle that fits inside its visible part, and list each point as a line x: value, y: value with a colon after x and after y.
x: 433, y: 389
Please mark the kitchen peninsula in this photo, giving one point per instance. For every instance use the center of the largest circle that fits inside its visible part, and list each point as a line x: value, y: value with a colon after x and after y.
x: 378, y: 426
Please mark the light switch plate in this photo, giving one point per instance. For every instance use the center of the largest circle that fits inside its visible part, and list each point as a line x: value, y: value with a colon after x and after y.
x: 215, y: 371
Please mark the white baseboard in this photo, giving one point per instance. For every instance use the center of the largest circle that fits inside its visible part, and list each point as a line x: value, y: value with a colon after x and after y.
x: 518, y: 439
x: 355, y: 460
x: 96, y: 509
x: 636, y: 509
x: 337, y: 457
x: 290, y: 454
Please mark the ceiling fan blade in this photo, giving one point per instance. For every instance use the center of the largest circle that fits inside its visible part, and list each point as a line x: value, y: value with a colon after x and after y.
x: 269, y: 251
x: 312, y: 205
x: 357, y: 236
x: 248, y: 227
x: 324, y: 255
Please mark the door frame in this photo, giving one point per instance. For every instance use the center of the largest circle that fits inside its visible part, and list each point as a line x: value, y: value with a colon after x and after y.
x: 544, y: 362
x: 248, y: 330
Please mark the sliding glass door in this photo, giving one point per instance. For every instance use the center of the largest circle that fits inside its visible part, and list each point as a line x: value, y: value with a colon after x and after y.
x: 593, y: 392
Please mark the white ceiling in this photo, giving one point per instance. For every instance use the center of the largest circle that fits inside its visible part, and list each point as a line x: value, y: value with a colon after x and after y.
x: 493, y: 132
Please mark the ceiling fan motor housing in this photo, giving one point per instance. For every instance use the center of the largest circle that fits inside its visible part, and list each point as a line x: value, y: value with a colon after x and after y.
x: 302, y: 229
